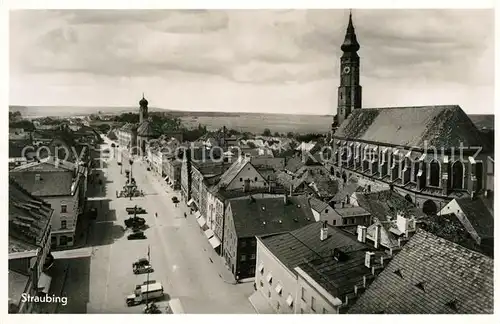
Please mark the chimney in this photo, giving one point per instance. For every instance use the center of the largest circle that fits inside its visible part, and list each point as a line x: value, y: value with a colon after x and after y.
x: 402, y: 224
x: 376, y: 239
x: 369, y: 258
x: 361, y: 233
x: 323, y: 235
x: 291, y: 189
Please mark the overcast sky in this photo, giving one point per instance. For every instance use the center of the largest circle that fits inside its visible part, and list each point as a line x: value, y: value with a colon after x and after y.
x: 250, y: 60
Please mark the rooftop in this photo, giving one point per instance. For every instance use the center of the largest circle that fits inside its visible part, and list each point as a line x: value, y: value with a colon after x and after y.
x: 254, y: 216
x: 384, y: 205
x: 478, y: 214
x: 438, y: 126
x: 431, y: 275
x: 304, y: 244
x: 29, y: 218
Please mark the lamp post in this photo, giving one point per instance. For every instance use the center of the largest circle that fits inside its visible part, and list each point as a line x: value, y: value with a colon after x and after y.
x: 130, y: 162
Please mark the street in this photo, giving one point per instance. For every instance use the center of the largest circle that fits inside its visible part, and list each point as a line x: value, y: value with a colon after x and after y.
x: 182, y: 258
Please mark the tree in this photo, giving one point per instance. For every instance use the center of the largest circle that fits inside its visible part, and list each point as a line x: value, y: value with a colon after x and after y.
x: 14, y: 116
x: 289, y: 135
x: 276, y: 134
x: 267, y: 132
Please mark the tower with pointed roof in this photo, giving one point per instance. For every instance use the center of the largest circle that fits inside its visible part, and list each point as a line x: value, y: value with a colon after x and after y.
x: 143, y: 109
x: 349, y: 91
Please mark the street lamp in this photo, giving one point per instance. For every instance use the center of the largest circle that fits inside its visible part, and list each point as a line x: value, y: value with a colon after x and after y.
x: 131, y: 162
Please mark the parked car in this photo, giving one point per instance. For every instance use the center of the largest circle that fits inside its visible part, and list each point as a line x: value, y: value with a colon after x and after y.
x: 141, y: 262
x: 143, y: 269
x: 136, y: 236
x: 135, y: 222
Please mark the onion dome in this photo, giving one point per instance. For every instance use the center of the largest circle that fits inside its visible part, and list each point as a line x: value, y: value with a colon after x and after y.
x: 143, y: 102
x: 350, y: 42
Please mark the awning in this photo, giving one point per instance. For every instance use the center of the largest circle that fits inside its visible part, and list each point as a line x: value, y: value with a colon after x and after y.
x: 278, y: 289
x: 289, y: 300
x: 44, y: 283
x: 214, y: 241
x: 261, y: 267
x: 269, y: 277
x: 209, y: 233
x: 201, y: 221
x: 197, y: 214
x: 190, y: 202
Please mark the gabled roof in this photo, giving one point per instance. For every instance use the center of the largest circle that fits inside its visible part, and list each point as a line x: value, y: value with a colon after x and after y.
x: 29, y: 218
x: 146, y: 129
x: 294, y: 164
x: 260, y: 216
x: 431, y: 275
x: 478, y: 214
x: 317, y: 204
x: 304, y: 244
x: 386, y: 204
x: 233, y: 171
x: 439, y: 126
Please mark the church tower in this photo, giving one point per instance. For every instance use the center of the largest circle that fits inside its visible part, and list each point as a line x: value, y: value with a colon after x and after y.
x: 349, y: 92
x: 143, y: 110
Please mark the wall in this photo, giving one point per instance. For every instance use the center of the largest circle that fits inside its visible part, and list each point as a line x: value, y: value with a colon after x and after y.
x: 71, y: 216
x: 321, y: 304
x: 248, y: 172
x: 280, y: 274
x: 230, y: 241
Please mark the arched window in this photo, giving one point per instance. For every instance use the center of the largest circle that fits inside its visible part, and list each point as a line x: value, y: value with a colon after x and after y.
x: 435, y: 171
x: 457, y: 175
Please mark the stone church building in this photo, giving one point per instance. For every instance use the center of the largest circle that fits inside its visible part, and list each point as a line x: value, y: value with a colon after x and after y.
x: 429, y: 154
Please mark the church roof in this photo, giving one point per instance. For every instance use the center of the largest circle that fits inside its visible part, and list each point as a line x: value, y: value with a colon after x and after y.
x: 440, y: 126
x: 146, y: 129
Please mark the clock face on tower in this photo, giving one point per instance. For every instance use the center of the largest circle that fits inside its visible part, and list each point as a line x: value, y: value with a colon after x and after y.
x: 346, y: 70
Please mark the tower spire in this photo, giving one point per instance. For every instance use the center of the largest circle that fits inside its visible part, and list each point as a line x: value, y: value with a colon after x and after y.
x: 350, y: 41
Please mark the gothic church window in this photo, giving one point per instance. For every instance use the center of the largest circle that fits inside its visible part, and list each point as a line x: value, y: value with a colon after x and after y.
x: 434, y: 173
x: 457, y: 175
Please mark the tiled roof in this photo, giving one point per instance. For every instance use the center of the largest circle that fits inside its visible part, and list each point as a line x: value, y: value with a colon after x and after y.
x: 28, y: 219
x: 294, y: 164
x: 53, y: 181
x: 129, y: 127
x: 322, y: 184
x: 317, y: 204
x: 350, y: 211
x: 286, y: 180
x: 260, y: 216
x: 304, y: 244
x: 339, y: 277
x: 237, y: 193
x: 232, y: 171
x: 439, y: 126
x: 347, y: 190
x: 386, y: 204
x: 478, y: 214
x: 208, y: 169
x: 431, y: 275
x: 146, y: 129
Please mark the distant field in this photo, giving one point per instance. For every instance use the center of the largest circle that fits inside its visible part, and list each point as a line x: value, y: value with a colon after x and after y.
x: 256, y: 123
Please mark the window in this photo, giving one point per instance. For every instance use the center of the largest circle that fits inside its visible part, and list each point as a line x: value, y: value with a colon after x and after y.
x: 243, y: 257
x: 261, y: 268
x: 326, y: 211
x: 278, y: 305
x: 334, y: 222
x: 344, y: 221
x: 243, y: 244
x: 252, y: 257
x: 313, y: 303
x: 63, y: 224
x: 269, y: 294
x: 37, y: 177
x: 252, y: 270
x: 255, y: 179
x: 303, y: 294
x: 64, y: 208
x: 241, y: 179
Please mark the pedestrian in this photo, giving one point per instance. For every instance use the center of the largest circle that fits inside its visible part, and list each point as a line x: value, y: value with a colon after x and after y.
x: 185, y: 215
x: 156, y: 215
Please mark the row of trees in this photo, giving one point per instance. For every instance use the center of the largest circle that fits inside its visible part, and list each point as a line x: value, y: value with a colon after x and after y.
x: 299, y: 137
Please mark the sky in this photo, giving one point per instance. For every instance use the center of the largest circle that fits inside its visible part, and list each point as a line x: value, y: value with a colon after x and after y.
x: 279, y: 61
